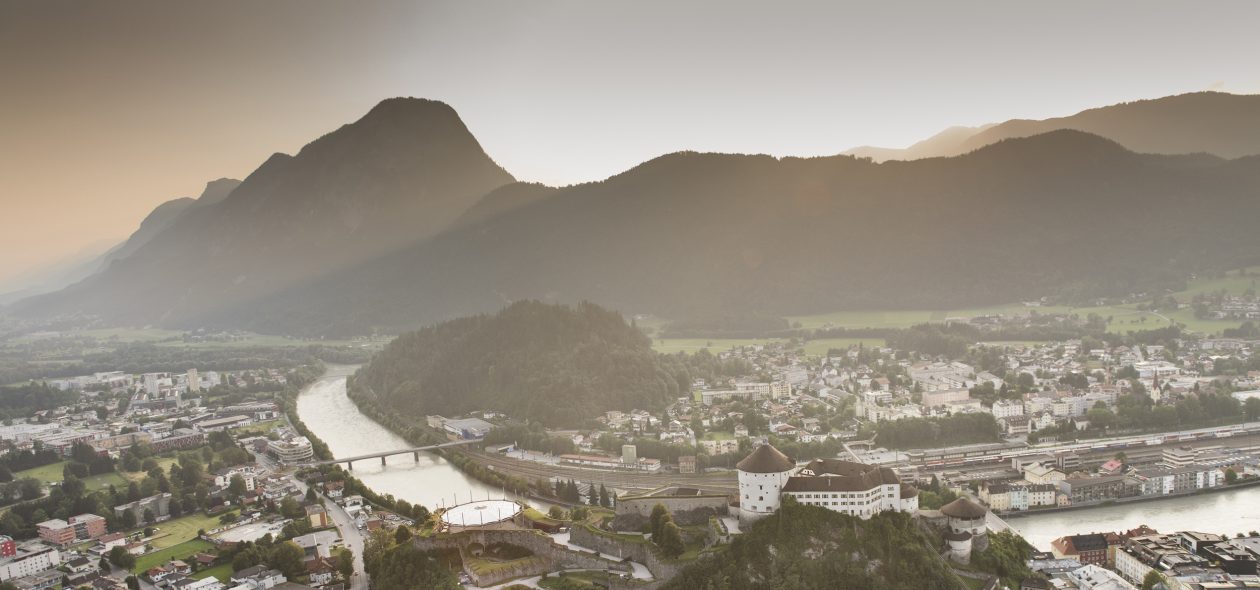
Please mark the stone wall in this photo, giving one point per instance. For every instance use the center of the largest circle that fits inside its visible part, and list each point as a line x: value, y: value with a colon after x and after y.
x: 642, y: 505
x: 553, y: 556
x: 643, y: 553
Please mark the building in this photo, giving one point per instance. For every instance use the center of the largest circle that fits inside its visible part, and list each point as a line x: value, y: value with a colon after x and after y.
x: 852, y: 488
x: 1093, y: 577
x: 1039, y: 473
x: 296, y: 449
x: 8, y: 548
x: 184, y: 438
x: 157, y: 507
x: 56, y: 531
x: 59, y: 532
x: 467, y: 428
x: 259, y: 577
x: 194, y: 381
x: 762, y: 475
x: 687, y: 464
x: 966, y: 529
x: 28, y: 559
x: 318, y: 516
x: 88, y: 526
x: 1087, y: 549
x: 767, y: 475
x: 1081, y: 490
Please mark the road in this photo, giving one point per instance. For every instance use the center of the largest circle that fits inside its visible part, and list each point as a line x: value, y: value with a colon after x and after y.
x: 351, y: 536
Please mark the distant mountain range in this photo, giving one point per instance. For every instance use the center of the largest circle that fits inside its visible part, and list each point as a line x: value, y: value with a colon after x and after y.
x: 78, y: 268
x: 400, y: 219
x: 1225, y: 125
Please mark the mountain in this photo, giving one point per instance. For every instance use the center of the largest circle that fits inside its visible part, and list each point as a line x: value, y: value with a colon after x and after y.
x: 53, y: 276
x: 1225, y: 125
x: 164, y: 215
x: 82, y: 266
x: 553, y: 364
x: 405, y: 171
x: 1064, y: 214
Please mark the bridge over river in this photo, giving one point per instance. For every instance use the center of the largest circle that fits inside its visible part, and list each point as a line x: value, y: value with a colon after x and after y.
x: 414, y: 451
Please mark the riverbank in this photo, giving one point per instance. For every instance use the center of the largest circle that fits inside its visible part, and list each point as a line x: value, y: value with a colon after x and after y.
x: 1131, y: 500
x: 1222, y: 513
x: 367, y: 403
x: 430, y: 479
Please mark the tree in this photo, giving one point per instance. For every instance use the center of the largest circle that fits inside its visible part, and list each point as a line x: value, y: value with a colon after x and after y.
x: 288, y: 557
x: 1252, y: 408
x: 670, y: 540
x: 345, y: 563
x: 556, y: 512
x: 603, y: 496
x: 310, y: 492
x: 592, y: 498
x: 1231, y: 476
x: 289, y: 508
x: 128, y: 519
x: 133, y: 583
x: 402, y: 534
x: 73, y: 486
x: 657, y: 519
x: 103, y: 565
x: 1153, y: 578
x: 236, y: 487
x: 119, y: 556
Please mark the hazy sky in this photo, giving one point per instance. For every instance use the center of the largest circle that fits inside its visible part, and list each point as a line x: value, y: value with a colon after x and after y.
x: 109, y: 108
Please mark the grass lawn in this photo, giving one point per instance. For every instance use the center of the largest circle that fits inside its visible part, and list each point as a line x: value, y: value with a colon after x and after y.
x: 258, y: 428
x: 183, y: 529
x: 51, y: 473
x: 585, y: 579
x: 161, y: 556
x: 718, y: 436
x: 222, y: 571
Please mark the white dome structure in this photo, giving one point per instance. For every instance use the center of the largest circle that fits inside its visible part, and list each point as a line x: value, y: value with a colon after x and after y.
x: 484, y: 514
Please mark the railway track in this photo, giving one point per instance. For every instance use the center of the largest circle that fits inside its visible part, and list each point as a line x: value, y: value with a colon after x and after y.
x: 724, y: 482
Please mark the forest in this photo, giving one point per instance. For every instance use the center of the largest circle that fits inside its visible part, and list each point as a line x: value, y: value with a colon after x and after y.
x: 556, y: 365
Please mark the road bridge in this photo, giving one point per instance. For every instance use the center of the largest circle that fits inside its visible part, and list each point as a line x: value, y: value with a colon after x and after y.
x: 414, y: 451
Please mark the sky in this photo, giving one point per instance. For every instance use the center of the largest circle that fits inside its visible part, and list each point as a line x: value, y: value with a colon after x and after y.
x: 108, y: 109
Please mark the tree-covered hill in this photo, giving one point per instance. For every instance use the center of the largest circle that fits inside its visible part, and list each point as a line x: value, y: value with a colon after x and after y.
x: 809, y: 547
x: 552, y: 363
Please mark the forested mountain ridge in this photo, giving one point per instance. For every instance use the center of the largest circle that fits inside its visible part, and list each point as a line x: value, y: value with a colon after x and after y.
x: 1218, y: 123
x: 554, y: 364
x: 1064, y: 214
x: 403, y: 172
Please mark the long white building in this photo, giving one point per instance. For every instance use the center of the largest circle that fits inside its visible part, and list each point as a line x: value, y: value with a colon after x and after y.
x: 767, y: 476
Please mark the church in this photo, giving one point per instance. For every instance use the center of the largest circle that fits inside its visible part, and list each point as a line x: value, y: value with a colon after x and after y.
x: 766, y: 476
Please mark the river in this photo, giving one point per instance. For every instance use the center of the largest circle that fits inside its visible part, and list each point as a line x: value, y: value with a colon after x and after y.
x: 1227, y: 512
x: 434, y: 482
x: 333, y: 417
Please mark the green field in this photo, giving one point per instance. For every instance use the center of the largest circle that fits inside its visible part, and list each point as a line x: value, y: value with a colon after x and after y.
x: 222, y: 571
x: 162, y: 337
x: 183, y: 529
x: 51, y: 473
x: 1124, y: 318
x: 181, y: 551
x: 258, y: 428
